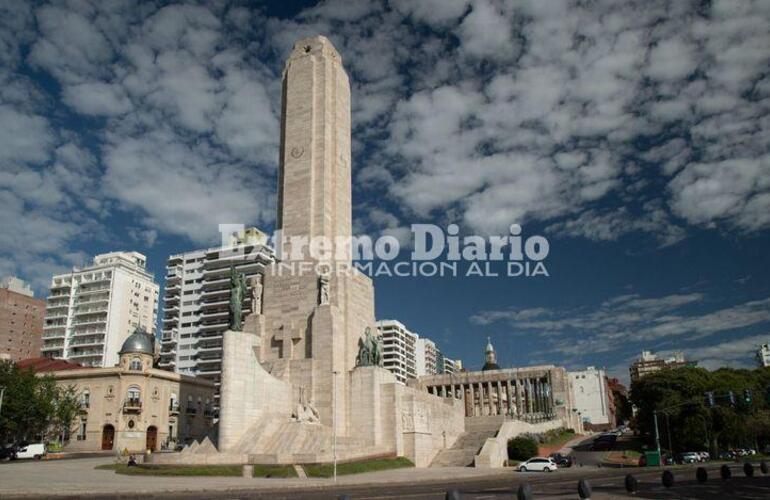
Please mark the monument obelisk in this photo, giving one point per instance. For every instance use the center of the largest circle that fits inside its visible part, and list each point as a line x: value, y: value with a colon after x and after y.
x: 311, y: 322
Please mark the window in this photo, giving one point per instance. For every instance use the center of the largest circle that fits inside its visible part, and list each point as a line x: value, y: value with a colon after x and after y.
x: 85, y: 399
x: 136, y: 364
x: 133, y: 396
x: 82, y: 430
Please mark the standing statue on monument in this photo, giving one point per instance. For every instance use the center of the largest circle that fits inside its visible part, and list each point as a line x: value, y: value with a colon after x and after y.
x: 323, y: 289
x: 256, y: 294
x: 237, y: 290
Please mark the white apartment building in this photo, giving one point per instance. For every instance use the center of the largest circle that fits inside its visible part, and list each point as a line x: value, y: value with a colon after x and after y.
x: 763, y: 355
x: 408, y: 355
x: 196, y: 303
x: 426, y: 356
x: 90, y: 312
x: 591, y: 395
x: 399, y: 349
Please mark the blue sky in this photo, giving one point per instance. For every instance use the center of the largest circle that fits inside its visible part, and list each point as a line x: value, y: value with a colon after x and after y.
x: 633, y: 135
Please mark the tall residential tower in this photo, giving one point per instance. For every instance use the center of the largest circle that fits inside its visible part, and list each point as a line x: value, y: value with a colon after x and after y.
x: 90, y: 312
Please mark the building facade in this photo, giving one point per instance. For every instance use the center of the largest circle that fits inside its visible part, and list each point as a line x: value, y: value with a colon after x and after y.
x: 650, y: 363
x: 408, y: 355
x: 135, y: 407
x: 21, y: 321
x: 196, y: 302
x: 763, y: 355
x: 90, y: 312
x: 592, y: 398
x: 399, y: 349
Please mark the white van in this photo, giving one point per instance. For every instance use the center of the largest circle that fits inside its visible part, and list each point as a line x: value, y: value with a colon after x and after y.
x: 32, y: 450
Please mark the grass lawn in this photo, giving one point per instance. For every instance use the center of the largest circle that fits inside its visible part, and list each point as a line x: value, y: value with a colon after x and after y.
x: 326, y: 470
x: 274, y: 471
x: 557, y: 437
x: 175, y: 470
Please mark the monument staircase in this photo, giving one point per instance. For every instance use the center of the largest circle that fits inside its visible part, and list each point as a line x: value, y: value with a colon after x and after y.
x: 276, y: 439
x: 469, y: 443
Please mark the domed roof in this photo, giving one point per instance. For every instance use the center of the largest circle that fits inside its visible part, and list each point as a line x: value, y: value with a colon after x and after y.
x: 489, y: 346
x: 139, y: 342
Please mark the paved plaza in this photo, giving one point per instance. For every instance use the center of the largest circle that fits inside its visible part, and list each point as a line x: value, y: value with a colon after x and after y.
x: 77, y: 478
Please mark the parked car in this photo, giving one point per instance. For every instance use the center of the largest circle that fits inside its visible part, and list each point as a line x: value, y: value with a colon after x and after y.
x: 727, y: 455
x: 539, y: 464
x: 8, y: 452
x: 32, y: 450
x: 688, y: 457
x: 704, y: 456
x: 561, y: 460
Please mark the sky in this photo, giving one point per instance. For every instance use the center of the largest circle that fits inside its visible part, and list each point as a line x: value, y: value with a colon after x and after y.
x: 632, y: 135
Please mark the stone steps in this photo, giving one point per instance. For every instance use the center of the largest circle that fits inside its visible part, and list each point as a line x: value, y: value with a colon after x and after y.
x: 468, y: 444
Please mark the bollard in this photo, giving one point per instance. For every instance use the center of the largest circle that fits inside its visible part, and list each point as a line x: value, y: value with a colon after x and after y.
x: 452, y: 495
x: 667, y: 478
x: 631, y: 483
x: 763, y: 467
x: 725, y: 472
x: 584, y: 489
x: 702, y: 475
x: 748, y: 469
x: 524, y: 492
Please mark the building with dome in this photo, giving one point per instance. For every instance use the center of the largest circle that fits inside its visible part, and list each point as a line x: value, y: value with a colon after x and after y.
x: 135, y: 406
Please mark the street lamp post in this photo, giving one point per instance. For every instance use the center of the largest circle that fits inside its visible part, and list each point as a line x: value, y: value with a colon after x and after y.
x: 657, y: 436
x: 2, y: 393
x: 334, y: 422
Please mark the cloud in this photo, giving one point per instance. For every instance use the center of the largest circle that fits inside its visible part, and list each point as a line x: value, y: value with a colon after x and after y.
x: 628, y: 322
x: 97, y: 98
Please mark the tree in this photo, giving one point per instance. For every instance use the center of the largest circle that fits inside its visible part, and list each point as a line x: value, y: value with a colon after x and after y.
x: 521, y: 448
x: 33, y: 406
x: 678, y: 395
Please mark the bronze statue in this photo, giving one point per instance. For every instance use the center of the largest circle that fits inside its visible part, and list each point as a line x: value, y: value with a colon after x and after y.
x: 237, y: 290
x: 369, y: 350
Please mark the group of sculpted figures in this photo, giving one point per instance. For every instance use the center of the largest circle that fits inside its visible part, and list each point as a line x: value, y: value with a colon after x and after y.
x: 238, y: 290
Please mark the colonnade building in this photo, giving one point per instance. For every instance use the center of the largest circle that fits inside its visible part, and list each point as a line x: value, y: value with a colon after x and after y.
x: 532, y: 394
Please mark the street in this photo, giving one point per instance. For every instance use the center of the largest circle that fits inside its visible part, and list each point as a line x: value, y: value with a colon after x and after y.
x: 78, y: 479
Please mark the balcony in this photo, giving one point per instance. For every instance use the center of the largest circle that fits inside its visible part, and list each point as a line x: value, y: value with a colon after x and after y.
x: 209, y: 413
x: 83, y: 311
x: 132, y: 405
x: 87, y: 290
x: 90, y: 321
x: 87, y: 342
x: 191, y: 410
x: 84, y: 406
x: 54, y: 346
x: 173, y: 408
x: 61, y: 286
x: 167, y: 363
x: 56, y: 334
x: 81, y: 331
x: 93, y: 353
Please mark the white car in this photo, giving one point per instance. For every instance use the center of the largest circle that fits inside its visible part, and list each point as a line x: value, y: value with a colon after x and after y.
x: 33, y: 450
x: 539, y: 464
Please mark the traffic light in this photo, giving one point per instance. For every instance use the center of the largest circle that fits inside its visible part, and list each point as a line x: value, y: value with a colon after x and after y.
x: 731, y: 397
x: 710, y: 399
x: 747, y: 396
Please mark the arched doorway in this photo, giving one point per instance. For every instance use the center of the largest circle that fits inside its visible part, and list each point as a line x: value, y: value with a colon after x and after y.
x: 152, y: 437
x: 108, y: 437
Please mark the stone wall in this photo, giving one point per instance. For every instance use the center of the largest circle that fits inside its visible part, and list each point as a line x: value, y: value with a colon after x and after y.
x: 494, y: 453
x: 248, y: 392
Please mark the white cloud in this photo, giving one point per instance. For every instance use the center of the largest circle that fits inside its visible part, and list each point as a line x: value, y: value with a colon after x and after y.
x: 97, y: 98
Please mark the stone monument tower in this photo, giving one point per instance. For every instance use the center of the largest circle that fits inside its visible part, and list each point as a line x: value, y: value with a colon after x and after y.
x: 311, y: 321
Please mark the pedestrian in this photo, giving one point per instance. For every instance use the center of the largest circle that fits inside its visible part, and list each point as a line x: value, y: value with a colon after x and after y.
x: 131, y: 461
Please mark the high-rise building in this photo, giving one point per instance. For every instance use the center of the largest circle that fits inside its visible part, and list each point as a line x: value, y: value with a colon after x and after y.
x: 196, y: 302
x: 425, y: 357
x: 763, y: 355
x: 21, y: 320
x: 90, y: 312
x: 398, y: 349
x: 408, y: 355
x: 592, y: 396
x: 649, y: 363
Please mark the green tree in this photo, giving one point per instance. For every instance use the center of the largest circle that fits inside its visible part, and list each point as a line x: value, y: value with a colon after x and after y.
x: 679, y: 397
x: 33, y: 407
x: 521, y: 448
